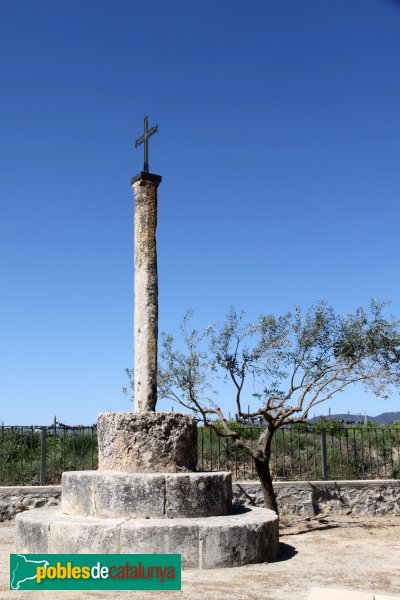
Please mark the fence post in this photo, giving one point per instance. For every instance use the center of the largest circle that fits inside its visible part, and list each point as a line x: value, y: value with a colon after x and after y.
x: 324, y: 461
x: 43, y: 456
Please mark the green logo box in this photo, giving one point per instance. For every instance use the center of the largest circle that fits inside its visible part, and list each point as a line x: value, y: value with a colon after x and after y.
x: 95, y: 571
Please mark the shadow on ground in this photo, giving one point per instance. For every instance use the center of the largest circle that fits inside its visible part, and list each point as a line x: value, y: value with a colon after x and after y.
x: 286, y: 552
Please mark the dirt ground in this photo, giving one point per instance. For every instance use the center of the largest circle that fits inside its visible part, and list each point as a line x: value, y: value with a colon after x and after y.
x: 355, y: 553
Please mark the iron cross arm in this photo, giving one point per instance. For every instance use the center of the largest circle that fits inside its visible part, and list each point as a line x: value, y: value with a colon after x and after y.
x: 144, y: 140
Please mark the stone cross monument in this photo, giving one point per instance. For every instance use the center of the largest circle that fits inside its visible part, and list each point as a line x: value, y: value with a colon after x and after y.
x: 146, y: 495
x: 145, y: 186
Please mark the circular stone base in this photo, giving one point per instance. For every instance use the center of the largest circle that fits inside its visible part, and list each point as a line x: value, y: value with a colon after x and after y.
x: 148, y: 442
x: 246, y: 536
x: 108, y: 494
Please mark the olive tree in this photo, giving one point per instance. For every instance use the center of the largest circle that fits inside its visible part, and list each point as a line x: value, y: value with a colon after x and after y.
x: 292, y: 362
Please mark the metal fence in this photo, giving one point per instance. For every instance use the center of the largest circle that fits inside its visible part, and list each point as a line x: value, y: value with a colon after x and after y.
x: 309, y: 453
x: 38, y: 455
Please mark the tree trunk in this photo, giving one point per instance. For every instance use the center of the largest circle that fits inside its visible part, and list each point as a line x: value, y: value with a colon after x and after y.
x: 264, y: 474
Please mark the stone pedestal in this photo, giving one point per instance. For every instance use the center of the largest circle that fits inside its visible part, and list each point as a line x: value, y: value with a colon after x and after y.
x: 146, y: 498
x: 147, y: 442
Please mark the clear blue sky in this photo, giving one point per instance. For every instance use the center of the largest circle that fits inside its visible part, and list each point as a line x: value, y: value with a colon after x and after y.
x: 279, y: 147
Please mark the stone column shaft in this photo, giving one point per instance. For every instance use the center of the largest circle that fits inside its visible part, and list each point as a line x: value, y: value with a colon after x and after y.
x: 146, y: 292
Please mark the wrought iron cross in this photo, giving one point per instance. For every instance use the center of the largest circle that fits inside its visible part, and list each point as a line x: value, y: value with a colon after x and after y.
x: 144, y: 140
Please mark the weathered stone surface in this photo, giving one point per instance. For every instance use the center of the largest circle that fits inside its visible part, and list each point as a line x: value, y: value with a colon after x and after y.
x: 79, y: 535
x: 241, y: 539
x: 130, y: 495
x: 146, y: 295
x: 373, y: 497
x: 147, y: 443
x: 14, y: 500
x: 48, y: 530
x: 77, y: 493
x: 198, y: 494
x: 111, y: 494
x: 232, y: 540
x: 180, y: 536
x: 32, y: 533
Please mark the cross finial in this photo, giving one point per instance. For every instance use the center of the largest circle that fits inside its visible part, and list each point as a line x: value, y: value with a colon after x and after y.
x: 144, y: 140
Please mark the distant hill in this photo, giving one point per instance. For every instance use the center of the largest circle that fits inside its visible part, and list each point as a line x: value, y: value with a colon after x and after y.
x: 386, y: 418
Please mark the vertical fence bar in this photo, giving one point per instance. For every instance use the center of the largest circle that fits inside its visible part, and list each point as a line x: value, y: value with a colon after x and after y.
x: 91, y: 447
x: 202, y: 448
x: 211, y: 450
x: 11, y: 454
x: 299, y: 452
x: 43, y: 456
x: 283, y: 453
x: 31, y: 457
x: 340, y: 454
x: 324, y: 462
x: 82, y: 433
x: 384, y: 451
x: 219, y: 453
x: 333, y: 455
x: 369, y: 454
x: 1, y: 453
x: 73, y: 450
x: 63, y: 450
x: 355, y: 454
x: 306, y: 447
x: 377, y: 453
x: 347, y: 454
x: 291, y: 453
x: 391, y: 452
x: 54, y: 478
x: 362, y: 452
x: 314, y: 456
x: 252, y: 447
x: 236, y: 462
x: 21, y: 441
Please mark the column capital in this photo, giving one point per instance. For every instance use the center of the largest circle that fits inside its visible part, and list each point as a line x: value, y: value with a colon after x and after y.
x: 145, y: 176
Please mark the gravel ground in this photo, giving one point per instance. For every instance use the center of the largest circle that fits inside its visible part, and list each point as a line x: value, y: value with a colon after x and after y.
x: 355, y: 553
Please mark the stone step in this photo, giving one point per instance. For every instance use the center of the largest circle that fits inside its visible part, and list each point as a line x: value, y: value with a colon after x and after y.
x: 109, y: 494
x: 244, y: 537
